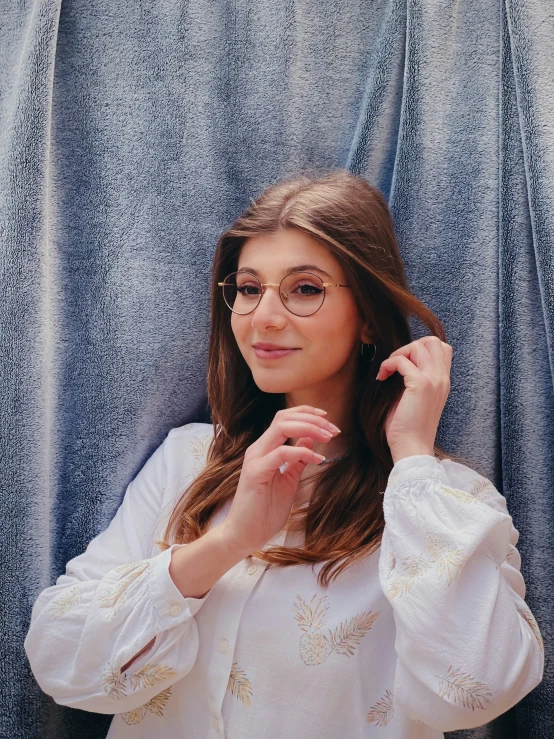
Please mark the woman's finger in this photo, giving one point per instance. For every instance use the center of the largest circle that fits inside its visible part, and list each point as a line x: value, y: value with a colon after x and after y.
x: 400, y: 364
x: 289, y: 455
x: 305, y: 441
x: 416, y: 352
x: 439, y: 350
x: 429, y: 354
x: 290, y: 428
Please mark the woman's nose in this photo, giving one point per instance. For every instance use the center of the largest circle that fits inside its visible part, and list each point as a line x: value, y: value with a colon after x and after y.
x: 270, y: 308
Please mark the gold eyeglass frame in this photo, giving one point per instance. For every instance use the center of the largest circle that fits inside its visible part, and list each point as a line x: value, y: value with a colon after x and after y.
x: 265, y: 285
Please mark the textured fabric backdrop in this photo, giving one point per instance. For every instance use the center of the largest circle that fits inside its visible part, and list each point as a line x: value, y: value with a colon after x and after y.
x: 131, y: 135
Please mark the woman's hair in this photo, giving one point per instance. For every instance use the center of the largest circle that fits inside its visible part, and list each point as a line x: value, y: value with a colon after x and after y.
x: 344, y: 520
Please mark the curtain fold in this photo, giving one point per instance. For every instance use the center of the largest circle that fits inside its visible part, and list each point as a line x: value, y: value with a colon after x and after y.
x: 131, y: 135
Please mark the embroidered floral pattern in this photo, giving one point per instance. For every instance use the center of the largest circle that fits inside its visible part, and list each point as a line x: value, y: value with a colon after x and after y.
x: 65, y: 602
x: 315, y: 646
x: 113, y: 684
x: 382, y: 712
x: 117, y: 684
x: 481, y: 489
x: 240, y: 686
x: 459, y: 494
x: 115, y: 597
x: 347, y: 636
x: 149, y: 675
x: 155, y: 705
x: 199, y: 453
x: 463, y: 688
x: 127, y: 567
x: 414, y: 567
x: 530, y: 619
x: 448, y: 562
x: 435, y: 546
x: 451, y: 564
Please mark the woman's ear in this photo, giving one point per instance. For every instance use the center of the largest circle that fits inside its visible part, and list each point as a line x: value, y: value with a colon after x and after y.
x: 366, y: 336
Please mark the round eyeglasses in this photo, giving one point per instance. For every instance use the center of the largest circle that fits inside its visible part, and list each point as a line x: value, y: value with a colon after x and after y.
x: 302, y: 293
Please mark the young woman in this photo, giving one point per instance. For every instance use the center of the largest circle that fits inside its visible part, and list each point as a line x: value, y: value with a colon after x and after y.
x: 312, y: 565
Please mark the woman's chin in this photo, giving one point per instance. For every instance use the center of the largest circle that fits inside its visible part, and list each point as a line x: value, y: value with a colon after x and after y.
x: 275, y: 384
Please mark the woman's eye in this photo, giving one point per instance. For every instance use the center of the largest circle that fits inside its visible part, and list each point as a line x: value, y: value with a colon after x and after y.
x: 306, y: 289
x: 248, y: 289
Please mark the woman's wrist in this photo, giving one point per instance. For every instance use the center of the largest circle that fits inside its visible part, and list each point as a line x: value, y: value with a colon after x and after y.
x: 196, y: 567
x: 409, y: 450
x: 232, y: 545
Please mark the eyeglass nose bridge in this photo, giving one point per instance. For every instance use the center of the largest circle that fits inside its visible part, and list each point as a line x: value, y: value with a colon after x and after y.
x: 265, y: 285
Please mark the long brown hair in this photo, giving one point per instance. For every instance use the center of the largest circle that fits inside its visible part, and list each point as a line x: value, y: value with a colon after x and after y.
x: 344, y: 520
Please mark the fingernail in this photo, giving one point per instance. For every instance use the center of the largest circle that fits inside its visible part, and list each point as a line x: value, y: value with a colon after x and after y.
x: 320, y: 411
x: 335, y: 428
x: 319, y: 457
x: 326, y: 433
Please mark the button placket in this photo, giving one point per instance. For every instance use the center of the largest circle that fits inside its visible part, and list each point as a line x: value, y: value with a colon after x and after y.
x: 225, y: 626
x: 175, y: 610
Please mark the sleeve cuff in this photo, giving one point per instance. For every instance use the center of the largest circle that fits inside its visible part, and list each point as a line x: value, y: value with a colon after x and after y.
x: 418, y: 466
x: 172, y: 607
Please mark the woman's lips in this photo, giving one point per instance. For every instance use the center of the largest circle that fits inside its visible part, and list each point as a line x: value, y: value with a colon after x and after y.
x: 273, y: 353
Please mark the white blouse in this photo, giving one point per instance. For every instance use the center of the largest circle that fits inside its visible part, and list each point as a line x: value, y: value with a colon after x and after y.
x: 428, y: 634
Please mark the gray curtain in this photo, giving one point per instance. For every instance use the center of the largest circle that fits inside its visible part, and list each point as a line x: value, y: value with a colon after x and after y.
x: 131, y: 135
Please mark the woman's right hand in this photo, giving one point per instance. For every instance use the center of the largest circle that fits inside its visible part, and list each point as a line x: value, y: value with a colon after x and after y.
x: 264, y: 496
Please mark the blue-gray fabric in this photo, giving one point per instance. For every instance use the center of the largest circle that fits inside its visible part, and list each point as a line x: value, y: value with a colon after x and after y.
x: 133, y: 133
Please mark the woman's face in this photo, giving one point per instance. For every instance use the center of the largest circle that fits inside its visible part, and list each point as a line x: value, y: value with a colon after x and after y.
x: 326, y: 344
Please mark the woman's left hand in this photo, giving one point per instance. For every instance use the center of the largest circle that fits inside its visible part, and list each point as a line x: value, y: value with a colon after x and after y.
x: 411, y: 425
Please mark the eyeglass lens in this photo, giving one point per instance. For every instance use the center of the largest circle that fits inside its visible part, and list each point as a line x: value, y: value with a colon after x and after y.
x: 302, y: 293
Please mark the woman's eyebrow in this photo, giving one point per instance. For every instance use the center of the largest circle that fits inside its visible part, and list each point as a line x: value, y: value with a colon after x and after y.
x: 299, y: 268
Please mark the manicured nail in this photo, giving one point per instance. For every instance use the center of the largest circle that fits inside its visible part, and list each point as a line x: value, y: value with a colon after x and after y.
x: 326, y: 433
x: 319, y: 457
x: 335, y: 428
x: 320, y: 411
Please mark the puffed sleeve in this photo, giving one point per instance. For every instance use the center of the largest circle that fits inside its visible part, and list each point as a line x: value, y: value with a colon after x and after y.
x: 467, y: 646
x: 112, y: 604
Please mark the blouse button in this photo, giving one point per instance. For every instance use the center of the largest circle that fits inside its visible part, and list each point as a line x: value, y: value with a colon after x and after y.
x: 252, y: 569
x: 223, y: 645
x: 175, y: 610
